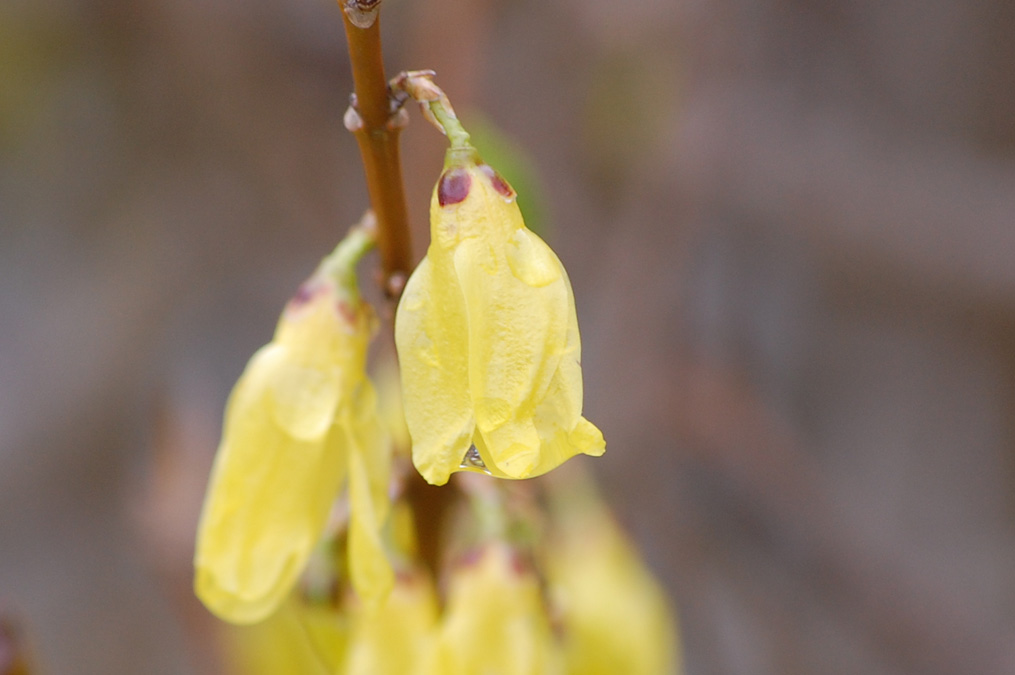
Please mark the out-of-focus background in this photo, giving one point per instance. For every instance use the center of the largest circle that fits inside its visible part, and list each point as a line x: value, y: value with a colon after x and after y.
x: 790, y: 227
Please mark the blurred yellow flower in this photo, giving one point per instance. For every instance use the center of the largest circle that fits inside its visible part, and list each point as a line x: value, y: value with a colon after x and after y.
x: 614, y: 614
x: 297, y: 639
x: 301, y: 418
x: 389, y: 403
x: 487, y: 337
x: 495, y: 622
x: 392, y: 637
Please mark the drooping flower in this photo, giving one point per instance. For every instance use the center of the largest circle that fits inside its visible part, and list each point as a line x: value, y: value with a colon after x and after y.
x: 301, y: 419
x: 393, y: 637
x: 487, y: 338
x: 613, y: 612
x: 495, y: 620
x: 296, y: 639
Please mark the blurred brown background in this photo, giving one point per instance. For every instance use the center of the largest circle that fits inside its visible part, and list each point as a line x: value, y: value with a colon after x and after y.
x: 791, y: 231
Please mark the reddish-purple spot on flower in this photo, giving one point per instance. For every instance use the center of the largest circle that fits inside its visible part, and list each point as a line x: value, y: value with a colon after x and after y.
x: 304, y: 293
x: 497, y: 181
x: 346, y: 312
x: 519, y: 564
x: 453, y: 187
x: 470, y: 557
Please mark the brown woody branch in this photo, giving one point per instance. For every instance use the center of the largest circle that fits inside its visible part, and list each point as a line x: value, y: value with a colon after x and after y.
x: 376, y: 130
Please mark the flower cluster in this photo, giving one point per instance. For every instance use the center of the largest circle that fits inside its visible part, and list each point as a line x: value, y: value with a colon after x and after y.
x: 573, y: 600
x: 308, y: 537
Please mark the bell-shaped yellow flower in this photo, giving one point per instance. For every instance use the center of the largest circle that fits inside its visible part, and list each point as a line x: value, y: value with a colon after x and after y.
x: 301, y: 418
x: 392, y: 637
x: 495, y: 621
x: 614, y: 614
x: 487, y: 338
x: 297, y: 639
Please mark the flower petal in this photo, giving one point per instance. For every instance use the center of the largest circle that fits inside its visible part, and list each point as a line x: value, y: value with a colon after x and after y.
x: 433, y: 349
x: 305, y: 400
x: 563, y: 430
x: 255, y: 537
x: 369, y: 475
x: 393, y: 638
x: 517, y: 334
x: 495, y: 621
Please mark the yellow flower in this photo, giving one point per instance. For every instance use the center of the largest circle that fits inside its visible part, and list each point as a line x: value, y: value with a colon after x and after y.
x: 301, y: 418
x: 392, y: 638
x: 614, y: 614
x: 495, y: 622
x: 297, y: 639
x: 389, y: 403
x: 487, y: 338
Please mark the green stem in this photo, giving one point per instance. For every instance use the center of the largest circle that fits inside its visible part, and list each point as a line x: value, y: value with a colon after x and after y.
x: 486, y: 501
x: 456, y: 133
x: 341, y: 263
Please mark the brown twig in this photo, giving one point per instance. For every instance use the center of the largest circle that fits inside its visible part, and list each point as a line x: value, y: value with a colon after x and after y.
x: 376, y: 123
x: 376, y: 129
